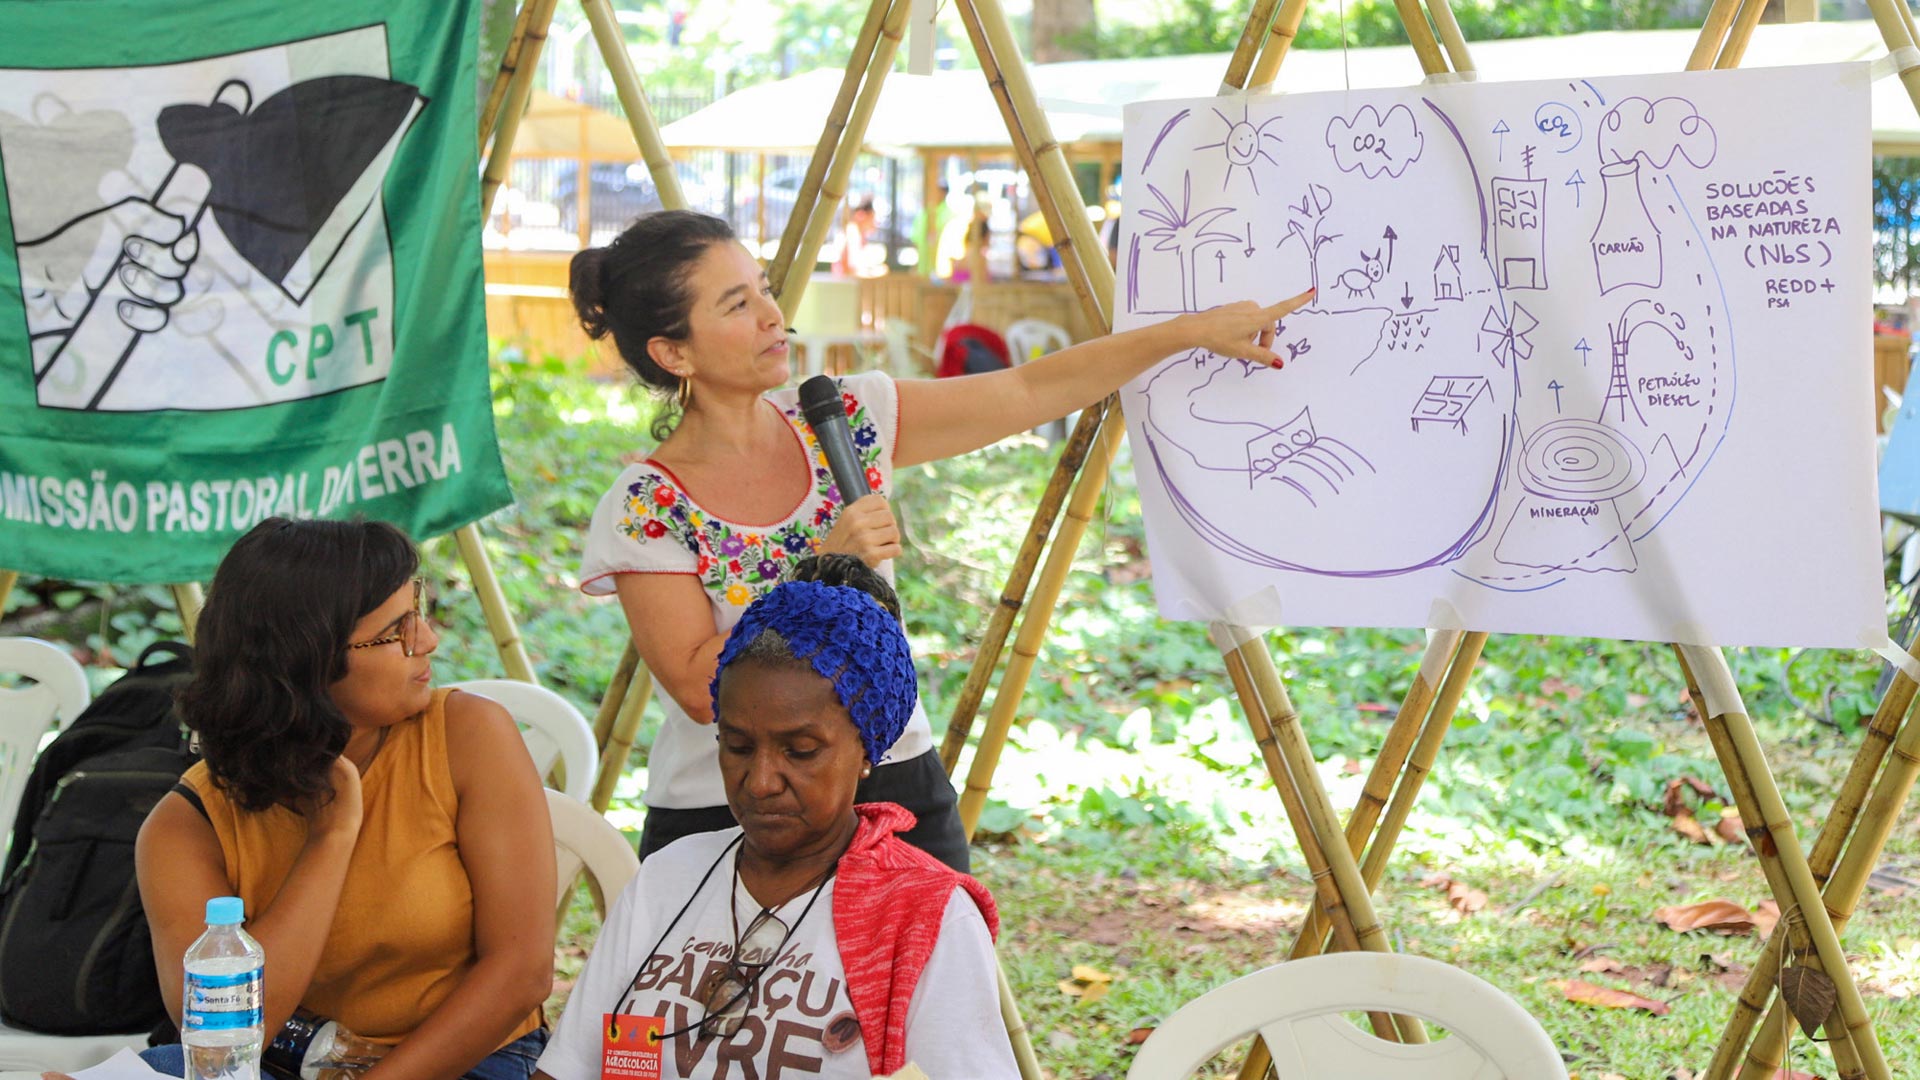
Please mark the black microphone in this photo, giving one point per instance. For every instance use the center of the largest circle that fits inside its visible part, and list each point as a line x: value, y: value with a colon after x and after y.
x: 827, y: 416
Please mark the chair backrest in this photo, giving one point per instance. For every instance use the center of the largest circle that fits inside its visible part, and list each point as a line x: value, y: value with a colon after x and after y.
x: 830, y: 305
x: 27, y: 713
x: 553, y: 728
x: 583, y: 840
x: 1298, y: 1009
x: 1030, y: 338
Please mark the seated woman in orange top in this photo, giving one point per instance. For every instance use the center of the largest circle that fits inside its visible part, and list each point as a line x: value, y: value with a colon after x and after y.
x: 390, y: 840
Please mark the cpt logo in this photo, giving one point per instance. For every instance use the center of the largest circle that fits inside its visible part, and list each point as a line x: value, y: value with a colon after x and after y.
x: 208, y: 234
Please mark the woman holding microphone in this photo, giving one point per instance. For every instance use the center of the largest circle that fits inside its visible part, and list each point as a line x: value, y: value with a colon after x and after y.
x: 737, y: 487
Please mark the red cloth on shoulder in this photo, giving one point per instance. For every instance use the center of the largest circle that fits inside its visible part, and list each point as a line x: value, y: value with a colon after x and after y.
x: 889, y: 899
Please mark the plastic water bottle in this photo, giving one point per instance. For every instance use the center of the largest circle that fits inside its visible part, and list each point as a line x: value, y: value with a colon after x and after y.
x: 311, y: 1046
x: 224, y: 988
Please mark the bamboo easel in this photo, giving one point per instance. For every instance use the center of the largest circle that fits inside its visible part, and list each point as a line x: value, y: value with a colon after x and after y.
x: 1407, y: 757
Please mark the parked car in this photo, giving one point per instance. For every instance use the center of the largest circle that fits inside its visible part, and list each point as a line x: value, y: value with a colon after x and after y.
x: 618, y: 194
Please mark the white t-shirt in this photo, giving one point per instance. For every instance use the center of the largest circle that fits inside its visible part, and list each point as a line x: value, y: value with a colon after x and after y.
x: 954, y: 1029
x: 646, y: 524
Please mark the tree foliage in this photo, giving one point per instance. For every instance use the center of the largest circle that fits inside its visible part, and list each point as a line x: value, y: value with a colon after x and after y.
x: 1896, y: 203
x: 1195, y: 26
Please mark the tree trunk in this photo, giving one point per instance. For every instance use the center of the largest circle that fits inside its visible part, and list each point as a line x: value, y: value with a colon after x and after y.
x: 1062, y: 30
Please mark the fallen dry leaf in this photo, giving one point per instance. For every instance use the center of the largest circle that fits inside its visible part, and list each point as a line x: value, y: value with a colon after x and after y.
x: 1765, y: 917
x: 1586, y: 993
x: 1462, y: 897
x: 1088, y: 974
x: 1602, y: 965
x: 1095, y: 992
x: 1138, y: 1035
x: 1731, y: 829
x: 1719, y: 916
x: 1689, y: 826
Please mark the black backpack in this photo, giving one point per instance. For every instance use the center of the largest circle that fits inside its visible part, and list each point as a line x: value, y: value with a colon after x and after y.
x: 76, y: 957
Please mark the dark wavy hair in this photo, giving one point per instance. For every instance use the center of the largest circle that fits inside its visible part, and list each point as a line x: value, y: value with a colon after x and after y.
x: 635, y: 288
x: 270, y: 642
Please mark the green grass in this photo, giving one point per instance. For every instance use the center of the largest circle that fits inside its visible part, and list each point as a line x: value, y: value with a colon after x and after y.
x: 1132, y: 827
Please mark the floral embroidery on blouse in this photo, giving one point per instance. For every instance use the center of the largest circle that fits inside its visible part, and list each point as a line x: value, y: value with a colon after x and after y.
x: 737, y: 563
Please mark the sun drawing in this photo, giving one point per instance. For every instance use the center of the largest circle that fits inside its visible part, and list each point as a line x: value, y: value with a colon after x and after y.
x: 1242, y: 144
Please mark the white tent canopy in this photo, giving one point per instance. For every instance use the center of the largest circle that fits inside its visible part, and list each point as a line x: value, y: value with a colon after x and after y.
x: 1083, y: 98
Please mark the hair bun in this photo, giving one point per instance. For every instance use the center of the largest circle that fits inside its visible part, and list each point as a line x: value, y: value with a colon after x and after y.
x: 587, y: 282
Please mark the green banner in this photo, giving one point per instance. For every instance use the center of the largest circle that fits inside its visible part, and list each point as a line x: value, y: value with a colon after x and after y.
x: 239, y: 276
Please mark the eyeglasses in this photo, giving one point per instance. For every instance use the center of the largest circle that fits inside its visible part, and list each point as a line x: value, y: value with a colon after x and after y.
x: 726, y: 992
x: 410, y: 631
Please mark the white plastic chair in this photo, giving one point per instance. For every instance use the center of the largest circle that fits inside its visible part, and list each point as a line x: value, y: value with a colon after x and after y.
x: 1298, y: 1009
x: 553, y: 728
x: 28, y: 713
x: 583, y: 840
x: 1031, y: 339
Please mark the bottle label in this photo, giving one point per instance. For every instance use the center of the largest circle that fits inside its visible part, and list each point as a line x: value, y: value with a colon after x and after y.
x: 223, y: 1002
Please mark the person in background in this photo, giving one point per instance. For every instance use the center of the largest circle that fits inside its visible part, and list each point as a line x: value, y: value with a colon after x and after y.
x: 860, y: 254
x: 694, y: 530
x: 390, y: 841
x: 927, y: 227
x: 972, y: 266
x: 809, y: 940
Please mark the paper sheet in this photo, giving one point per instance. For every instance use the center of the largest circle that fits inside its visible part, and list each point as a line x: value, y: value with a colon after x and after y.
x: 1587, y: 357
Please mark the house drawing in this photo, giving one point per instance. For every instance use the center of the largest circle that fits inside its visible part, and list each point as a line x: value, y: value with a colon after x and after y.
x: 1446, y: 274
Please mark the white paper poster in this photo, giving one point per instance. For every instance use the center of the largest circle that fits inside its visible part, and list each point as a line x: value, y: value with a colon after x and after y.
x: 1587, y: 357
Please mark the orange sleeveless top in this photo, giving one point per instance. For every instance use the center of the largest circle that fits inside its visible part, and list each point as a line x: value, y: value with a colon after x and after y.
x: 402, y: 937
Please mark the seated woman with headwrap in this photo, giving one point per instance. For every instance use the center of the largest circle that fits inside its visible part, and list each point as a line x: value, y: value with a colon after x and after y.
x: 810, y: 940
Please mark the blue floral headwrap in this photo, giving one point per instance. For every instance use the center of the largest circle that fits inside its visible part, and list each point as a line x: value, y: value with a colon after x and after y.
x: 849, y: 640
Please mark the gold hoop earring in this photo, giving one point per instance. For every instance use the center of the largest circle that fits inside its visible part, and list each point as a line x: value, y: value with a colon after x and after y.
x: 686, y: 393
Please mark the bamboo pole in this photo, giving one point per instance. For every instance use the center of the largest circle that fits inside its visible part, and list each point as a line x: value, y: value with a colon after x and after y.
x: 633, y: 100
x: 823, y: 151
x: 1740, y: 786
x: 493, y: 603
x: 1078, y: 460
x: 1843, y: 891
x: 7, y: 579
x: 1281, y: 722
x: 188, y: 599
x: 626, y: 728
x: 1450, y: 35
x: 793, y: 285
x: 616, y: 693
x: 519, y: 90
x: 1017, y: 1033
x: 1834, y: 833
x: 1743, y: 24
x: 1259, y: 712
x: 1013, y: 595
x: 1286, y: 27
x: 1778, y: 845
x: 1252, y: 36
x: 1411, y: 768
x: 1033, y: 628
x: 509, y: 64
x: 1420, y: 36
x: 1896, y: 28
x: 1074, y: 235
x: 1713, y: 34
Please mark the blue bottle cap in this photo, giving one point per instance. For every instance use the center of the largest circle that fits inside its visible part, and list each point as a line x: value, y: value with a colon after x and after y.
x: 226, y: 911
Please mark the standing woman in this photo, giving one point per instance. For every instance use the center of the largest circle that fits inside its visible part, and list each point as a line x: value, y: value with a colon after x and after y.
x: 390, y: 841
x: 737, y: 487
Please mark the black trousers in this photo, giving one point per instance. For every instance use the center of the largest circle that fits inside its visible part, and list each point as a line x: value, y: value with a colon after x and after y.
x: 919, y: 784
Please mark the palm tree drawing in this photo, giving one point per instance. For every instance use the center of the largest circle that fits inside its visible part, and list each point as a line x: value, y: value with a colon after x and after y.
x: 1184, y: 233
